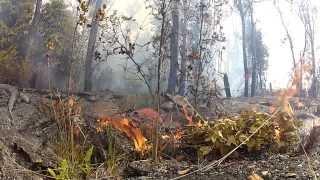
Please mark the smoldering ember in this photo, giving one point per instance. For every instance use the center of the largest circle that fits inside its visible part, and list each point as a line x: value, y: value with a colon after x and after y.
x: 159, y: 89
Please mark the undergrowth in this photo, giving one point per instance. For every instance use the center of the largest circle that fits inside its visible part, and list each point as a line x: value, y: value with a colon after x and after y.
x: 70, y: 142
x: 279, y: 134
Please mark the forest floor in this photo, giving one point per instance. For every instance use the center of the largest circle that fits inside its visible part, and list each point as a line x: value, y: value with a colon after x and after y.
x: 27, y: 148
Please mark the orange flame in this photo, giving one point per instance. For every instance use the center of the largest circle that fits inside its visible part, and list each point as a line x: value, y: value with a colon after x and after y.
x: 127, y: 126
x: 292, y: 90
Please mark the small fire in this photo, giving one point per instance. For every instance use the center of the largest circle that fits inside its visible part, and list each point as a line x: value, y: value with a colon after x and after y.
x: 128, y: 127
x: 292, y: 90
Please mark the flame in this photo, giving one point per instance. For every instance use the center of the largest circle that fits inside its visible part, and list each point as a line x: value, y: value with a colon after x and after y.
x: 177, y: 135
x: 293, y: 89
x: 128, y: 127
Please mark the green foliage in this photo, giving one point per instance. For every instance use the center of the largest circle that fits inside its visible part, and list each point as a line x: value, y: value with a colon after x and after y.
x: 14, y: 21
x: 66, y: 113
x: 74, y: 169
x: 63, y: 171
x: 57, y: 25
x: 113, y: 156
x: 85, y: 165
x: 12, y: 68
x: 278, y: 133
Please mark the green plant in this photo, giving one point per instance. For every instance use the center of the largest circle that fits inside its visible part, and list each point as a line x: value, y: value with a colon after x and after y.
x: 74, y: 169
x: 62, y: 172
x: 85, y: 165
x: 70, y: 142
x: 113, y: 157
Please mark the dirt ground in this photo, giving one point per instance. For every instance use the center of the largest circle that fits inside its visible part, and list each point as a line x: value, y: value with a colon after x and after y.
x: 25, y: 147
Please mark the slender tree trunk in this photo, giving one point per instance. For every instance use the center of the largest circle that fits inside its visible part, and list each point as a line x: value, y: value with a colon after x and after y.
x: 314, y: 92
x: 287, y: 34
x: 199, y: 63
x: 155, y: 133
x: 174, y: 48
x: 183, y: 66
x: 226, y: 85
x: 244, y: 51
x: 91, y: 48
x: 29, y: 39
x: 31, y: 30
x: 253, y: 56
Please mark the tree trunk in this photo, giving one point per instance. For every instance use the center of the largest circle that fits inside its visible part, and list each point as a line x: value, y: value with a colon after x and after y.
x: 91, y: 48
x: 28, y: 41
x: 253, y: 56
x: 244, y: 51
x: 287, y: 34
x: 174, y: 48
x: 314, y: 92
x: 36, y: 16
x: 199, y: 62
x: 226, y: 85
x: 183, y: 66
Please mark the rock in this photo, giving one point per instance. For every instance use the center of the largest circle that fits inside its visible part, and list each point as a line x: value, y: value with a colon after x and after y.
x: 265, y: 173
x: 290, y: 175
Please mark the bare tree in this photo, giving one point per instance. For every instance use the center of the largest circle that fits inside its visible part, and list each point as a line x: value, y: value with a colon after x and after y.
x: 253, y: 51
x: 288, y: 35
x: 309, y: 22
x: 29, y: 38
x: 91, y: 48
x: 183, y: 49
x: 199, y: 63
x: 243, y: 11
x: 174, y: 47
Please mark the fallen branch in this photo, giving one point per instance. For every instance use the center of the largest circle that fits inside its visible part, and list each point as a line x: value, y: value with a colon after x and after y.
x: 14, y: 95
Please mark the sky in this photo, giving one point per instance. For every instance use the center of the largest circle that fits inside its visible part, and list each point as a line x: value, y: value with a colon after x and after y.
x: 268, y: 21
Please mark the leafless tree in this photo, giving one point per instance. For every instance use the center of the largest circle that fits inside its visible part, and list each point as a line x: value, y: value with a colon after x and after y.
x: 309, y: 22
x: 91, y: 48
x: 242, y: 7
x: 174, y: 47
x: 288, y: 35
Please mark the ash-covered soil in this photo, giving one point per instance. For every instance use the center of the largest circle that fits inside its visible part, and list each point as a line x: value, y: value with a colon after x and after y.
x: 26, y: 149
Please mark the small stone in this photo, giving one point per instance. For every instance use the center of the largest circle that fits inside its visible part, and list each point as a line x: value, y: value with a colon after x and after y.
x: 264, y: 173
x: 251, y: 166
x: 283, y: 157
x: 290, y: 175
